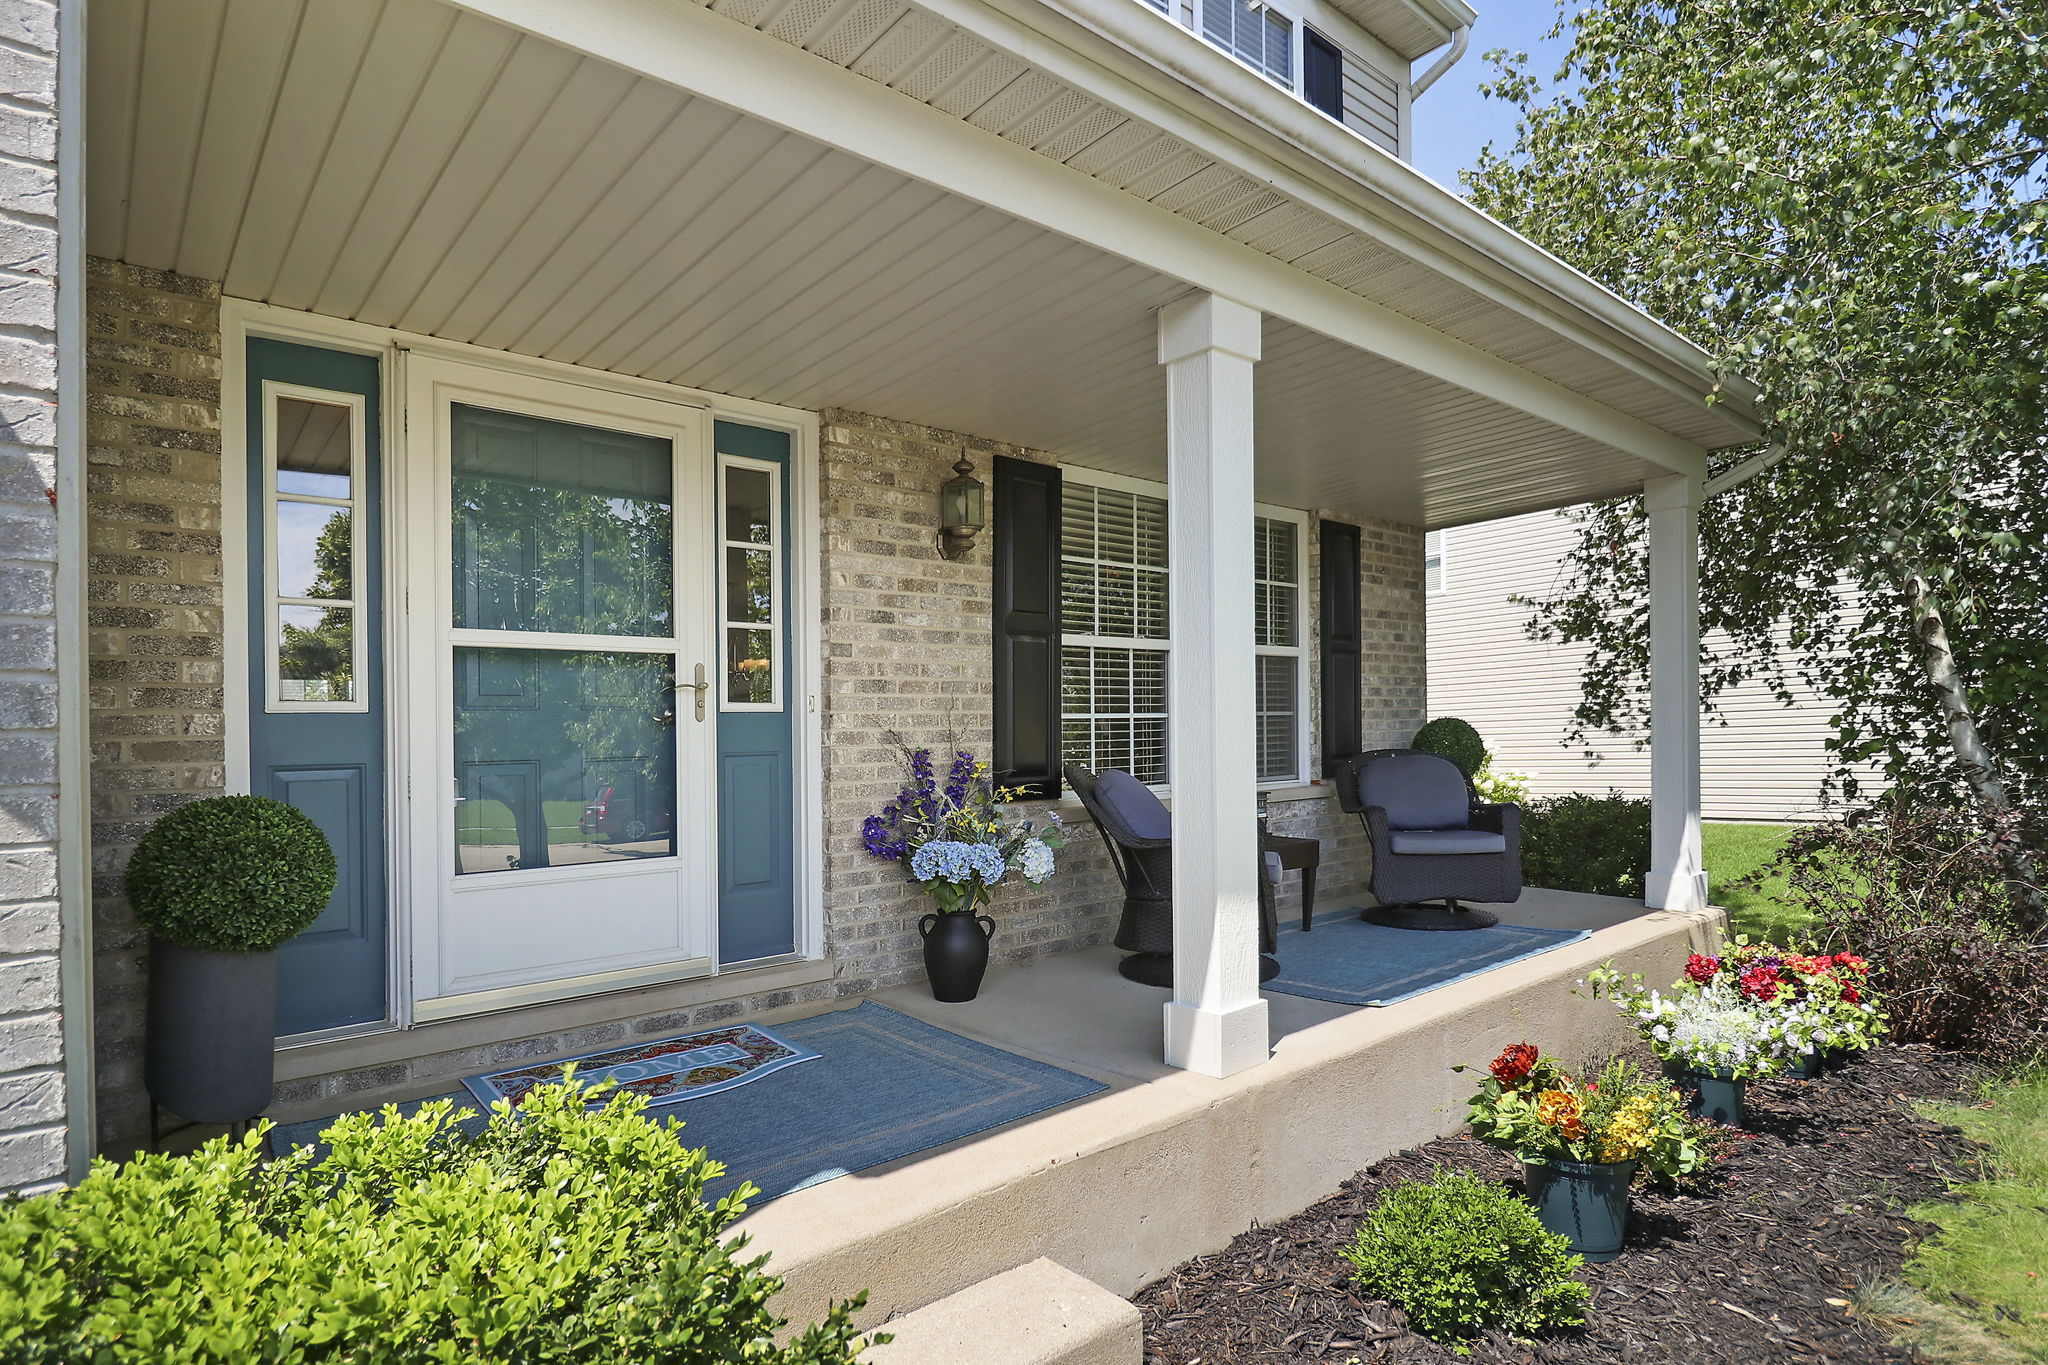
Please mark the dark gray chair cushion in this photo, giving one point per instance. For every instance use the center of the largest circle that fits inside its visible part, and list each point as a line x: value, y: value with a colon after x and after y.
x: 1417, y: 791
x: 1134, y: 803
x: 1443, y: 841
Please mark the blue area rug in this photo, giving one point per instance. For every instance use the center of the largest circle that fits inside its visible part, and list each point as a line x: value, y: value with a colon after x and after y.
x: 884, y: 1086
x: 1351, y: 962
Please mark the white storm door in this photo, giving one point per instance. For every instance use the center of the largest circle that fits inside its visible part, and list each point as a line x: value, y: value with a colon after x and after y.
x: 560, y: 595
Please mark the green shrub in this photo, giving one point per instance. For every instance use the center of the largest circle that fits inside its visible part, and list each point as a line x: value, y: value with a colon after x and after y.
x: 1599, y: 845
x: 1453, y: 739
x: 234, y: 874
x: 1461, y: 1257
x: 561, y: 1236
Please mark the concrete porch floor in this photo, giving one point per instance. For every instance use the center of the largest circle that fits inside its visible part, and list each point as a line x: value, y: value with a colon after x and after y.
x: 1167, y: 1164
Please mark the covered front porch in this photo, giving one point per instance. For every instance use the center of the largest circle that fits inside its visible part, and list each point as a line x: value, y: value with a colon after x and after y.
x: 717, y: 218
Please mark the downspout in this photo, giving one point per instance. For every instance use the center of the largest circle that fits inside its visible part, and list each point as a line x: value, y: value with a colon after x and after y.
x: 1461, y: 38
x: 74, y: 824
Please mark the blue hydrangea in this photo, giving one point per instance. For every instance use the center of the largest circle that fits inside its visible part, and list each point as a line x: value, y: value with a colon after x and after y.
x: 949, y: 860
x: 1034, y: 860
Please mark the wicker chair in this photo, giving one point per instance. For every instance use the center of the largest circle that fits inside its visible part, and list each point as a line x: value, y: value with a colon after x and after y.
x: 1137, y: 829
x: 1432, y: 840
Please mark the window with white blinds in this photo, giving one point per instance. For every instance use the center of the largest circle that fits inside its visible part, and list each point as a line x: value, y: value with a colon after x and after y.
x: 1258, y: 35
x: 1115, y: 647
x: 1433, y: 562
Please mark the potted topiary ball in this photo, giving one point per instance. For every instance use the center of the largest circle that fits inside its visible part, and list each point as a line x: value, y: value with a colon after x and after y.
x: 220, y: 884
x: 1449, y: 737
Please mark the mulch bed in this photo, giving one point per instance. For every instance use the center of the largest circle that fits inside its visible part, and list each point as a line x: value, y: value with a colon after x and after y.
x: 1806, y: 1209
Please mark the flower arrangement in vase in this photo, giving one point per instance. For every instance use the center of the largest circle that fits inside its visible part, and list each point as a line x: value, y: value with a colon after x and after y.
x: 1581, y: 1142
x: 957, y: 841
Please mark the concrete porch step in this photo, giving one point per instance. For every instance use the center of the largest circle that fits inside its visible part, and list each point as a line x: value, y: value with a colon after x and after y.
x: 1038, y: 1314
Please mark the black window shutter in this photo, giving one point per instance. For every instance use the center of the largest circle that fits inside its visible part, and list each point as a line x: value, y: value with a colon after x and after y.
x: 1322, y: 74
x: 1343, y: 646
x: 1026, y: 611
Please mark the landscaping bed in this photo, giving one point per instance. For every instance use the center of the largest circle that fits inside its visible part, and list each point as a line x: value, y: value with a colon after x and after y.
x: 1809, y: 1207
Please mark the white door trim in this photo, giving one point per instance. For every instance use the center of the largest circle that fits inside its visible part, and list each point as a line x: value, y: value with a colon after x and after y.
x: 242, y: 319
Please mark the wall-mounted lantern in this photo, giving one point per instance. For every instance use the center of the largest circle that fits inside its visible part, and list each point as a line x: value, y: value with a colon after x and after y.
x: 962, y: 510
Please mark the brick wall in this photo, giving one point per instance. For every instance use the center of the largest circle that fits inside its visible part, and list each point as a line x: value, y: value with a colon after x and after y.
x: 32, y: 1107
x: 907, y: 648
x: 153, y: 616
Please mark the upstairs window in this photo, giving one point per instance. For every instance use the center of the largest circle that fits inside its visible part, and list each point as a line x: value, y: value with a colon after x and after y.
x: 1258, y: 35
x: 1322, y: 74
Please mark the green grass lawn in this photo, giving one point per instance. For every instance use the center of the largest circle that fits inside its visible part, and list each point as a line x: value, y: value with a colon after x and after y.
x: 490, y: 822
x: 1734, y: 852
x: 1990, y: 1259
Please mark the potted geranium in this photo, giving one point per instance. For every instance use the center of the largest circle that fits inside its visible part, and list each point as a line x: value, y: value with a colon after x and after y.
x: 220, y: 884
x: 957, y: 841
x: 1581, y: 1143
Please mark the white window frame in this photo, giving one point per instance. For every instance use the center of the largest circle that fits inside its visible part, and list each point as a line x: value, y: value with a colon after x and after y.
x: 775, y: 623
x: 356, y: 504
x: 1296, y: 21
x: 1442, y: 555
x: 1300, y: 649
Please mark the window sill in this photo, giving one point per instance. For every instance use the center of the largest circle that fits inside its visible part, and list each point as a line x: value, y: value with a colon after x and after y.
x: 1072, y: 812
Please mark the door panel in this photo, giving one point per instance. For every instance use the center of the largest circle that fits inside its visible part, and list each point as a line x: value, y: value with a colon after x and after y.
x: 316, y: 669
x: 756, y: 736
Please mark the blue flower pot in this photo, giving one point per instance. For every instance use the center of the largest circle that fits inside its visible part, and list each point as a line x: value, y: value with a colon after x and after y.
x: 1584, y: 1202
x: 1716, y: 1095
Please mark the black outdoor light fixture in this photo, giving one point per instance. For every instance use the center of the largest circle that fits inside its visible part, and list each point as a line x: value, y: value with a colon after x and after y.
x: 962, y: 510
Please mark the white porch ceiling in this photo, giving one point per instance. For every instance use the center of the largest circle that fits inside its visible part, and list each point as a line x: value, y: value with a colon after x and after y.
x: 407, y: 164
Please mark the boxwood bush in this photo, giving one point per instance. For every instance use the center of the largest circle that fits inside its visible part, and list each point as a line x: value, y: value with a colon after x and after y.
x: 1461, y: 1257
x: 1599, y: 845
x: 560, y: 1236
x: 1454, y: 739
x: 232, y: 874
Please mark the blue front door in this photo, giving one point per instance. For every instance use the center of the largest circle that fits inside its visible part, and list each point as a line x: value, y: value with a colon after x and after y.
x: 316, y: 657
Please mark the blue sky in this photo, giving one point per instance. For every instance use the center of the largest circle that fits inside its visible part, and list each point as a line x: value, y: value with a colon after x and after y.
x: 1452, y: 121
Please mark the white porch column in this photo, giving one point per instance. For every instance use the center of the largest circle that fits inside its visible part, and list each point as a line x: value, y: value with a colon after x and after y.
x: 1678, y: 880
x: 1216, y: 1022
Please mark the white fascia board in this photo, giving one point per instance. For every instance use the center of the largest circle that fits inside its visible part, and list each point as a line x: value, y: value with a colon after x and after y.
x: 1173, y: 79
x: 703, y: 53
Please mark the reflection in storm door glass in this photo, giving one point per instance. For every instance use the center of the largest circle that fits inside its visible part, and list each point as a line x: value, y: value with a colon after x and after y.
x: 313, y: 552
x: 562, y: 759
x: 559, y: 527
x: 753, y: 584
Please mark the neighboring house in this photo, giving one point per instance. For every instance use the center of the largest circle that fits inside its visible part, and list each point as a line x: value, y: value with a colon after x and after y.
x: 514, y: 431
x: 1759, y: 758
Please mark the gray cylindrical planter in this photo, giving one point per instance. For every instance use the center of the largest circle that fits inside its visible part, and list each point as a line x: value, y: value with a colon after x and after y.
x: 212, y: 1032
x: 1716, y: 1095
x: 1810, y: 1065
x: 1584, y: 1202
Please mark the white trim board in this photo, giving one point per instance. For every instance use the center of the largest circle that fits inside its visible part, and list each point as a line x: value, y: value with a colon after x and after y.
x: 242, y: 319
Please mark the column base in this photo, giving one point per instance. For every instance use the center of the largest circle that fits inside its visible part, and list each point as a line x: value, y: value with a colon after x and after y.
x: 1681, y: 891
x: 1216, y: 1042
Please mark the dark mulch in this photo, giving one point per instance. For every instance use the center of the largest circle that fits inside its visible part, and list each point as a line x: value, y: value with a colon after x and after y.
x: 1805, y: 1210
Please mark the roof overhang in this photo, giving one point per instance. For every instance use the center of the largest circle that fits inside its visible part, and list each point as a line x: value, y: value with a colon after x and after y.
x: 1410, y: 27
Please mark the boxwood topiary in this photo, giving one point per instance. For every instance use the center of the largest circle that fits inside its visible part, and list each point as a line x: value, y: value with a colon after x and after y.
x: 1453, y: 739
x: 232, y: 874
x: 1461, y: 1257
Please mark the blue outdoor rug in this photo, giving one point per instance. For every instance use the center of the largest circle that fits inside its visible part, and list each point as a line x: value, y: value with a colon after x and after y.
x: 1351, y: 962
x: 884, y: 1086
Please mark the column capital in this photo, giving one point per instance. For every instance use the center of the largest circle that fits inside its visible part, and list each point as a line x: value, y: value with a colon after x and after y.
x: 1209, y: 322
x: 1673, y: 493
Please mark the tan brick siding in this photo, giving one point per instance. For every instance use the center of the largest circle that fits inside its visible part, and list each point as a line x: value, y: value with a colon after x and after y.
x: 32, y: 1102
x: 153, y: 591
x: 906, y: 648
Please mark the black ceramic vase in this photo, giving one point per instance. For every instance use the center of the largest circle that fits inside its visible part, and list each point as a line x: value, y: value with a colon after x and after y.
x: 212, y: 1032
x: 955, y: 954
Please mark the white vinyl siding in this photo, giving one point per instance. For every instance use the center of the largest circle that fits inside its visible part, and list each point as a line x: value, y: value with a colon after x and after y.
x: 1372, y: 103
x: 1115, y: 649
x: 1765, y: 763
